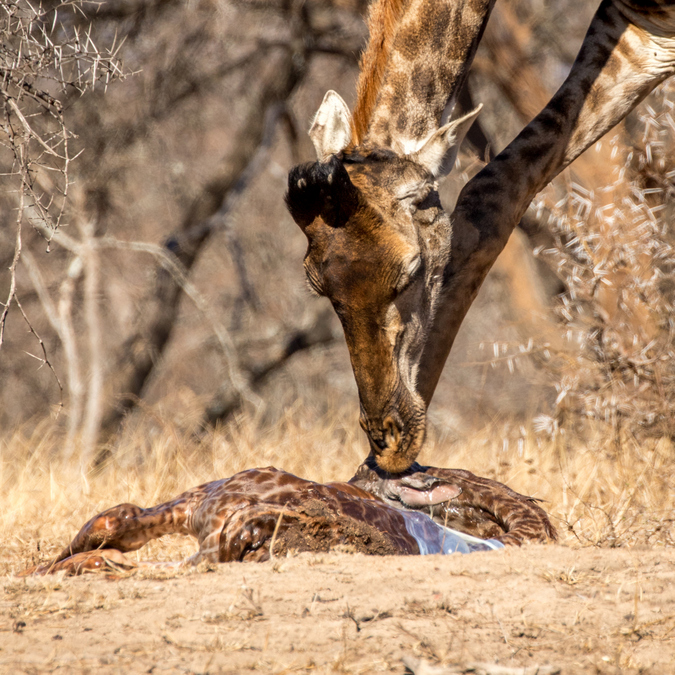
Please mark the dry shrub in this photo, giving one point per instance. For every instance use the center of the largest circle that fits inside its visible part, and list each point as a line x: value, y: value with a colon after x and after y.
x: 610, y: 356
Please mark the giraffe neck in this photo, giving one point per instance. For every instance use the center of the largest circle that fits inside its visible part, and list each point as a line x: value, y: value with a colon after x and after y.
x: 627, y: 52
x: 417, y: 59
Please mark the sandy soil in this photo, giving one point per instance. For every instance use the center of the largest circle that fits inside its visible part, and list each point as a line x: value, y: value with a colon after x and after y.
x: 565, y: 610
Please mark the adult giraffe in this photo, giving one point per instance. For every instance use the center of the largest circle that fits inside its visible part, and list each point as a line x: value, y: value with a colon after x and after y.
x: 400, y: 272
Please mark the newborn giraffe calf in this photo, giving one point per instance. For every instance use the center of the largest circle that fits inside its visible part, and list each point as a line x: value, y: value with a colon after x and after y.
x: 263, y: 512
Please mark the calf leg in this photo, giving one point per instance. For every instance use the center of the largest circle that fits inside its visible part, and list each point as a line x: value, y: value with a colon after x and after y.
x: 107, y: 536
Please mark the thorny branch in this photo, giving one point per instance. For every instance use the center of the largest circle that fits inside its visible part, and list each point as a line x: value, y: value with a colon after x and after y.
x: 39, y: 49
x: 45, y: 358
x: 12, y: 297
x: 12, y: 272
x: 42, y: 51
x: 612, y: 361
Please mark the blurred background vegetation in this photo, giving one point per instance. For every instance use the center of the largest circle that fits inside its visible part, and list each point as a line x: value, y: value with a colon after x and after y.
x: 152, y: 278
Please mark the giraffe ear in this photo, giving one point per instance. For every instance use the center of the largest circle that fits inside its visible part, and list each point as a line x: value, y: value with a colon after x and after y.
x: 331, y: 130
x: 439, y: 153
x: 444, y: 492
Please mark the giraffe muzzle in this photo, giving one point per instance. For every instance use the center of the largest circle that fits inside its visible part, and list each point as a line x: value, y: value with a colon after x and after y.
x: 394, y: 444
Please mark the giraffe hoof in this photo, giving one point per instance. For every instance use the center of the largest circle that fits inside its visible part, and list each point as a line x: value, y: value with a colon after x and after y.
x: 80, y: 563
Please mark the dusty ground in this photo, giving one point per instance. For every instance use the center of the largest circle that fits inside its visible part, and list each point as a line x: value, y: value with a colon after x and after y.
x: 587, y: 610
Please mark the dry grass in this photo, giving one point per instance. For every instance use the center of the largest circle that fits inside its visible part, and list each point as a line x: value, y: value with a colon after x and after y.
x: 598, y: 495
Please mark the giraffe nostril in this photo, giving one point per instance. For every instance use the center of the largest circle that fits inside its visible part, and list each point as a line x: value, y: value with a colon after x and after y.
x: 381, y: 443
x: 383, y: 436
x: 388, y: 436
x: 392, y: 431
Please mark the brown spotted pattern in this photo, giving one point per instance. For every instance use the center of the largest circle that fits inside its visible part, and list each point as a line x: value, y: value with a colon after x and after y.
x: 431, y: 52
x: 263, y: 512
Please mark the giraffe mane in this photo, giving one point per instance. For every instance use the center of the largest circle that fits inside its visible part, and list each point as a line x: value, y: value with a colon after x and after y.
x: 383, y: 21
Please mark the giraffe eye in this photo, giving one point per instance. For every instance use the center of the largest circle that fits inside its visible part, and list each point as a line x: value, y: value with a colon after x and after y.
x: 422, y: 194
x: 313, y: 280
x: 415, y: 194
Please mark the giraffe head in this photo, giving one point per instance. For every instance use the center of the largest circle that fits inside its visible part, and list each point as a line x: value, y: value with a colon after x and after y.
x: 379, y: 241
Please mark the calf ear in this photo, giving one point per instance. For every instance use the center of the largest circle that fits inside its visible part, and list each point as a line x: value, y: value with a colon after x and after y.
x: 441, y: 493
x: 439, y: 153
x: 331, y: 130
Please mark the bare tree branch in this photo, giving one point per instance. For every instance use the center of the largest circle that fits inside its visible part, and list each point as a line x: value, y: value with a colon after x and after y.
x: 12, y: 273
x: 40, y: 45
x: 136, y: 358
x: 45, y: 358
x: 179, y: 274
x: 92, y: 317
x: 227, y: 401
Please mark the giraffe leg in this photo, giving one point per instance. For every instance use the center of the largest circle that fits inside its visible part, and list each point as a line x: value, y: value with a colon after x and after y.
x: 95, y: 561
x: 120, y: 527
x: 105, y: 538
